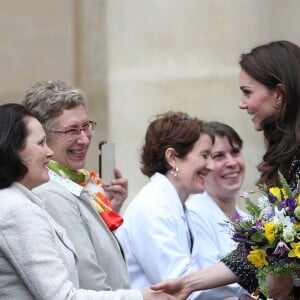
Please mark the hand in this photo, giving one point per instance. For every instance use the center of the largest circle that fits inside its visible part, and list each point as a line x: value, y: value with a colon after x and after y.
x: 117, y: 192
x: 149, y: 294
x: 173, y: 287
x: 279, y: 288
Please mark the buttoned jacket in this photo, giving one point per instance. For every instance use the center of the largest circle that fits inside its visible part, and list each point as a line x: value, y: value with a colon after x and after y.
x: 37, y: 260
x: 101, y: 265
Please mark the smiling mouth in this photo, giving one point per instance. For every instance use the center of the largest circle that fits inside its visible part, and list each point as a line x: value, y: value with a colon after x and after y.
x: 80, y: 152
x: 231, y: 175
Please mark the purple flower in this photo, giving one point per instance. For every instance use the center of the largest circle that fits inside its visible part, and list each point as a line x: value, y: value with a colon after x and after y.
x: 251, y: 230
x: 239, y: 237
x: 269, y: 212
x: 281, y: 205
x: 272, y: 198
x: 258, y: 224
x: 291, y: 204
x: 236, y: 217
x: 281, y: 248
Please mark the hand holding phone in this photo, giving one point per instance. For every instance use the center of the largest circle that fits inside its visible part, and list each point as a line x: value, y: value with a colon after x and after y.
x: 106, y: 161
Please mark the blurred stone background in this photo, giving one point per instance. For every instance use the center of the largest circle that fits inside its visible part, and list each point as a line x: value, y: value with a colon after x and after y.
x: 137, y: 58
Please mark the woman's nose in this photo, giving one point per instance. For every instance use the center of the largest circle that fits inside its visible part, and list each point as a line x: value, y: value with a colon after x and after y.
x: 210, y: 165
x: 49, y: 152
x: 242, y: 104
x: 230, y: 160
x: 83, y: 138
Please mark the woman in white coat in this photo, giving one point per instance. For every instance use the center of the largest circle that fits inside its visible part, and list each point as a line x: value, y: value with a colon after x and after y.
x: 155, y: 235
x: 210, y: 211
x: 37, y: 259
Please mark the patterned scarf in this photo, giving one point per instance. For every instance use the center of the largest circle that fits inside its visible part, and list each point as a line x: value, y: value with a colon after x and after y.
x: 93, y: 184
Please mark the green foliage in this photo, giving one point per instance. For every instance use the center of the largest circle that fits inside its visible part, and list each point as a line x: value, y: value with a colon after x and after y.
x: 253, y: 209
x: 285, y: 185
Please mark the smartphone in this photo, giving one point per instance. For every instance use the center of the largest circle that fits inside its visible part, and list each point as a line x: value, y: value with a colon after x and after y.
x: 106, y: 161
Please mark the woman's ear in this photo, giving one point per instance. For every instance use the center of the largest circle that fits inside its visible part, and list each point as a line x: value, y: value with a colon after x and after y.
x: 280, y: 94
x: 170, y: 156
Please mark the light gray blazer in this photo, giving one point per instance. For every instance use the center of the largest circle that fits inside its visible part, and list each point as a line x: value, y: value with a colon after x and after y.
x: 37, y: 260
x: 101, y: 265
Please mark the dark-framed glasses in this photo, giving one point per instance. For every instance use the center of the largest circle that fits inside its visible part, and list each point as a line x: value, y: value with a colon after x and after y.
x: 74, y: 133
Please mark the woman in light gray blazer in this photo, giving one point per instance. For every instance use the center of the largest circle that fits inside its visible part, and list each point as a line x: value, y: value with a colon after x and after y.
x: 37, y: 260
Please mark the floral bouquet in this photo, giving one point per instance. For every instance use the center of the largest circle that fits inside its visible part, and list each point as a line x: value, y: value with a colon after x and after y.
x: 271, y: 232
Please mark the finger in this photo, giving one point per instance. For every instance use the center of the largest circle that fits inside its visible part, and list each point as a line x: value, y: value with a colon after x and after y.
x: 117, y: 173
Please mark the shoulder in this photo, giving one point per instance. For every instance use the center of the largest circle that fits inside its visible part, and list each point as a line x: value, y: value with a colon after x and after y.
x: 50, y: 186
x: 15, y: 202
x: 200, y: 204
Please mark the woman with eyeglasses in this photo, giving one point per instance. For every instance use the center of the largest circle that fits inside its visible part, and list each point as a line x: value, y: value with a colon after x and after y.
x: 37, y: 259
x: 75, y: 197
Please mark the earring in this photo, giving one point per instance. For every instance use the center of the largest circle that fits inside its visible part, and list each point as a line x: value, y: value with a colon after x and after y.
x: 175, y: 172
x: 279, y: 104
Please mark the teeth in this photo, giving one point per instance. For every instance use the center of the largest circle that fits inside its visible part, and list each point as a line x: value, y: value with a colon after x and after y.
x: 231, y: 175
x: 77, y: 151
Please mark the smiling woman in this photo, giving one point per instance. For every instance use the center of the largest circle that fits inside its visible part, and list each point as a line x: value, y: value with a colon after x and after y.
x: 211, y: 211
x: 34, y: 249
x: 176, y: 158
x: 75, y: 197
x: 35, y: 155
x: 24, y: 152
x: 270, y: 84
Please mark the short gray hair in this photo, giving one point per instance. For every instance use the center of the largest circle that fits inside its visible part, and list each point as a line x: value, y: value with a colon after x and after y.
x: 47, y: 99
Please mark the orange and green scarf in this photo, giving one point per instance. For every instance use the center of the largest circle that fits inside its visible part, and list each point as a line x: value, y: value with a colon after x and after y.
x: 85, y: 179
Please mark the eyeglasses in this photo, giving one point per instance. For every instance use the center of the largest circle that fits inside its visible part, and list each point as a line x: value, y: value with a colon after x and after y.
x: 74, y: 133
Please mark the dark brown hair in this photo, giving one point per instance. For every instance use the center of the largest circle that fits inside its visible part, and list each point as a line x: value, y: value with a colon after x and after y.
x: 277, y: 65
x: 13, y: 134
x: 224, y: 130
x: 171, y: 129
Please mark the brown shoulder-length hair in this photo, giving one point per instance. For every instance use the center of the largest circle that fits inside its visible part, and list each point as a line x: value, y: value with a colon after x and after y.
x: 276, y: 65
x: 171, y: 129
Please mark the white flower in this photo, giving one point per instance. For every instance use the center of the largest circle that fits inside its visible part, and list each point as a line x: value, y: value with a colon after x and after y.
x: 263, y: 202
x: 288, y: 235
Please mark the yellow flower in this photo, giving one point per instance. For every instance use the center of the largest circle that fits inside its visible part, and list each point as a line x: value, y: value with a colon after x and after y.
x: 298, y: 200
x: 277, y: 192
x: 270, y: 231
x: 258, y: 258
x: 295, y: 252
x: 296, y: 225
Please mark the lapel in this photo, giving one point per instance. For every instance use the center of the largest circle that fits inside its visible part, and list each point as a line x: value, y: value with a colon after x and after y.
x: 59, y: 230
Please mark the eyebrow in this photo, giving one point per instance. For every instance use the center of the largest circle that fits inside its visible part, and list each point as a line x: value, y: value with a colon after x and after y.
x: 76, y: 125
x: 205, y: 152
x: 243, y: 87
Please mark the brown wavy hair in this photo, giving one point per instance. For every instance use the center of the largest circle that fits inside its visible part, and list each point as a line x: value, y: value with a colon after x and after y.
x: 171, y: 129
x: 277, y: 65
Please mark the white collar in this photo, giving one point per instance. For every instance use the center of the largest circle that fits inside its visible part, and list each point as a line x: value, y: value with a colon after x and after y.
x: 70, y: 185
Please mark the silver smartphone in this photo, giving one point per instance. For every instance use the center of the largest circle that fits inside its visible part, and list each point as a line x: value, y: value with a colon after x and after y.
x: 106, y: 161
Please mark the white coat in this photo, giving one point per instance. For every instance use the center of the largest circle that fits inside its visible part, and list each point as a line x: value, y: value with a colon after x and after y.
x: 155, y: 235
x: 213, y: 238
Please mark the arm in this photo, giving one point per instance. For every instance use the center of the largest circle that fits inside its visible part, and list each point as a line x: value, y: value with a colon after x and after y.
x: 117, y: 192
x: 238, y: 263
x: 210, y: 230
x: 207, y: 278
